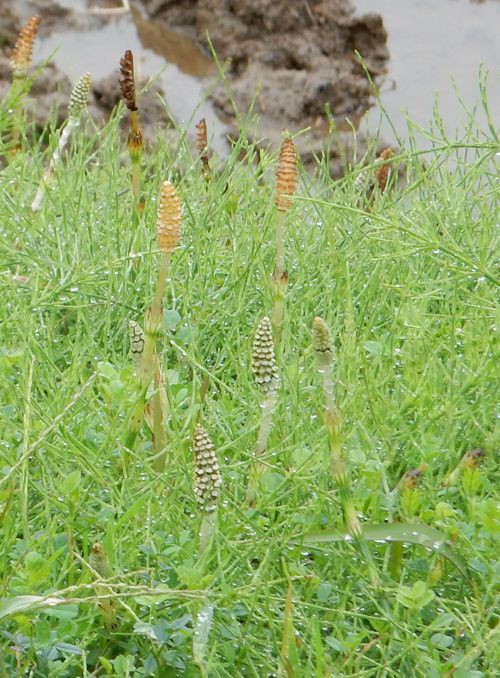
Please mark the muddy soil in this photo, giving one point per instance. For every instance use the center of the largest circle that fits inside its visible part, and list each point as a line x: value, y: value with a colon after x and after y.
x: 297, y: 55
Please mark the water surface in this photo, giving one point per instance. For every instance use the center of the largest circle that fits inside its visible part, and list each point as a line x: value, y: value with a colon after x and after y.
x: 434, y: 43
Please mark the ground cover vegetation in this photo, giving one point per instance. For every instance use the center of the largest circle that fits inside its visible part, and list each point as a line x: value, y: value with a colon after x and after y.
x: 248, y: 412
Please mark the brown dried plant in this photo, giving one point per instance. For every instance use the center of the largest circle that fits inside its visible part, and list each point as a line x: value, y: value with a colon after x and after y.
x: 382, y: 172
x: 127, y: 81
x: 135, y: 137
x: 202, y: 146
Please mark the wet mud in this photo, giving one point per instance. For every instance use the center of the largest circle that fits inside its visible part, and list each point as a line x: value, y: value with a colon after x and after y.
x: 287, y: 60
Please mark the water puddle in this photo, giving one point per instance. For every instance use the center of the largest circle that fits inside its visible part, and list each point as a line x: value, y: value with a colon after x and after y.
x: 432, y: 43
x: 182, y: 68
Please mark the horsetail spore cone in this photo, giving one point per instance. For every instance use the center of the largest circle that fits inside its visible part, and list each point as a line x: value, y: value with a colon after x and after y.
x: 382, y: 172
x: 136, y: 336
x: 127, y: 81
x: 76, y: 106
x: 265, y: 371
x: 322, y: 343
x: 23, y: 49
x: 168, y: 218
x: 207, y: 474
x: 79, y: 97
x: 264, y: 366
x: 286, y: 176
x: 20, y: 60
x: 207, y: 484
x: 135, y: 137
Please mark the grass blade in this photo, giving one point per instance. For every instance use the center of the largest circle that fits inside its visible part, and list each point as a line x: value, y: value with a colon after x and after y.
x: 410, y: 533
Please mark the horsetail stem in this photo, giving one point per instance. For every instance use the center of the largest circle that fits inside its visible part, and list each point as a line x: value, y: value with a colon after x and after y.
x: 266, y: 376
x: 98, y: 561
x: 324, y: 350
x: 76, y: 106
x: 286, y: 183
x: 207, y: 483
x: 404, y: 489
x: 101, y: 569
x: 471, y: 459
x: 135, y: 137
x: 168, y: 228
x: 202, y: 146
x: 20, y: 61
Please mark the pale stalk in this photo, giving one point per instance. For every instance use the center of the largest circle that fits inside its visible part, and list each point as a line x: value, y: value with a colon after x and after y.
x: 48, y: 175
x: 202, y: 623
x: 159, y: 435
x: 146, y: 368
x: 207, y: 530
x: 280, y: 278
x: 135, y: 157
x: 16, y: 91
x: 268, y: 405
x: 324, y: 349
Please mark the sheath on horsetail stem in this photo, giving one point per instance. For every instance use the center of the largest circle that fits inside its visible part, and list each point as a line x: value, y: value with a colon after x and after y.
x: 207, y: 484
x: 76, y: 106
x: 266, y: 376
x: 286, y: 184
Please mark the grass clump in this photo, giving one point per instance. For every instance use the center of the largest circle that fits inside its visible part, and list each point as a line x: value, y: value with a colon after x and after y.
x: 101, y: 566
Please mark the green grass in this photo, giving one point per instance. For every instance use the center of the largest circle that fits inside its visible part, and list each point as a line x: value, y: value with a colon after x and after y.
x: 409, y: 289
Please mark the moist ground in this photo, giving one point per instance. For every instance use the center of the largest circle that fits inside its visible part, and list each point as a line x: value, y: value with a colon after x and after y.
x: 292, y: 61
